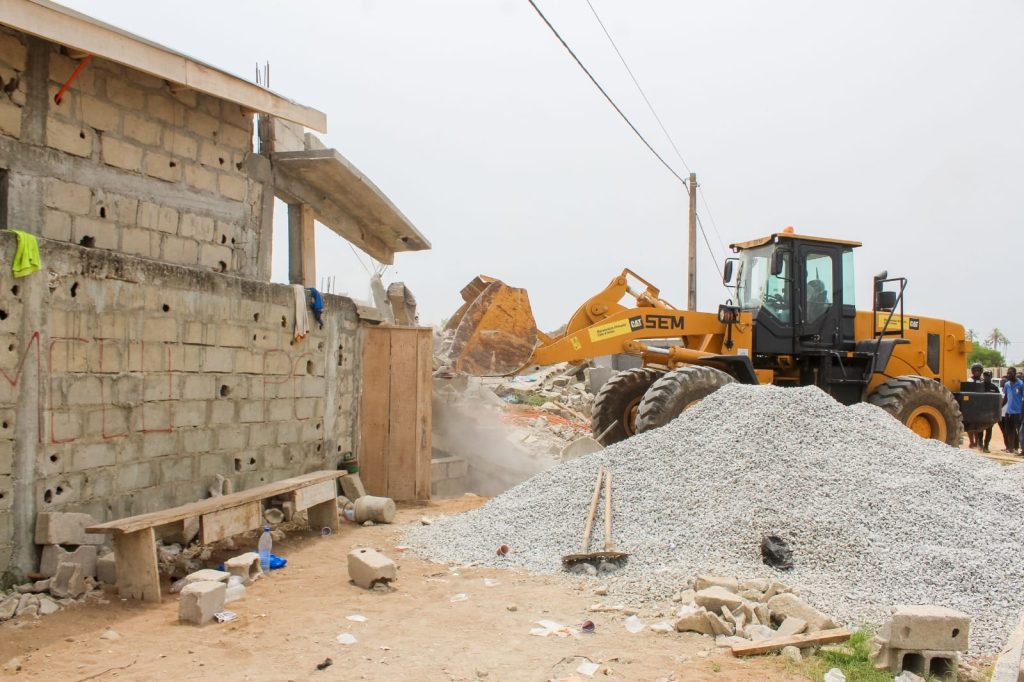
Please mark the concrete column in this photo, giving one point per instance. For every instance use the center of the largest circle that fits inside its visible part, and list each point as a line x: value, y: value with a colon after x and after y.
x: 301, y: 245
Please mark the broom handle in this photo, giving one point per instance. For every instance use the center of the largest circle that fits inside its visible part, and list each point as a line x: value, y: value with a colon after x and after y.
x: 608, y: 547
x: 593, y: 512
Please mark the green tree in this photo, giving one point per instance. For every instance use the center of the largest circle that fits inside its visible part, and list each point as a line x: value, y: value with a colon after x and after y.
x: 988, y: 357
x: 972, y: 336
x: 996, y: 339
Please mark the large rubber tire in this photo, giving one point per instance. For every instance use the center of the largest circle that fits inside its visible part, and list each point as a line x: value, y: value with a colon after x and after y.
x: 675, y: 391
x: 616, y: 403
x: 924, y: 405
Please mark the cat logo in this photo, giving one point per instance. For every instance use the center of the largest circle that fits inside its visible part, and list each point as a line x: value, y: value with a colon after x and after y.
x: 915, y: 323
x: 636, y: 323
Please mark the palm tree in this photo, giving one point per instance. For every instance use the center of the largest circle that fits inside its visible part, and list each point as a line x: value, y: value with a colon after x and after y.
x: 972, y: 336
x: 996, y: 339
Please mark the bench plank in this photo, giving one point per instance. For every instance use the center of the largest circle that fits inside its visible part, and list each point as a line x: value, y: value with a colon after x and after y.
x: 306, y: 497
x: 227, y: 522
x: 133, y: 524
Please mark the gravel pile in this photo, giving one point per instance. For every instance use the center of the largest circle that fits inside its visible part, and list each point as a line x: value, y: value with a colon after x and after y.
x: 875, y: 515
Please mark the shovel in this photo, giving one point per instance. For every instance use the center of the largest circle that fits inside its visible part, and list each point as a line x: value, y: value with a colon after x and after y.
x: 609, y: 553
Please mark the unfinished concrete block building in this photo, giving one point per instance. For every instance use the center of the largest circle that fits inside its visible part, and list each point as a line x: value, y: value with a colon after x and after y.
x: 151, y: 352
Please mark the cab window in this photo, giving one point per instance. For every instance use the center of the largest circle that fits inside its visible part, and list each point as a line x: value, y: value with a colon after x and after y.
x: 819, y: 286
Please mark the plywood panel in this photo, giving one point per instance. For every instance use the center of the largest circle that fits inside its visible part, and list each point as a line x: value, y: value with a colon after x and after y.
x: 424, y: 422
x: 374, y: 402
x: 227, y: 522
x: 404, y: 428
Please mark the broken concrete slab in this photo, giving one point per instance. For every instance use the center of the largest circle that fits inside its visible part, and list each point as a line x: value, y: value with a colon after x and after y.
x: 756, y: 633
x: 718, y: 626
x: 784, y: 605
x: 54, y: 555
x: 200, y: 601
x: 66, y: 528
x: 715, y: 597
x: 28, y: 604
x: 368, y: 567
x: 47, y: 606
x: 692, y: 619
x: 703, y: 582
x: 68, y: 581
x: 106, y: 569
x: 792, y: 626
x: 352, y: 487
x: 8, y: 607
x: 245, y: 566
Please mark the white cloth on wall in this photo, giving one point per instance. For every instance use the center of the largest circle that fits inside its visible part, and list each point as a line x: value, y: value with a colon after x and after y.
x: 301, y: 313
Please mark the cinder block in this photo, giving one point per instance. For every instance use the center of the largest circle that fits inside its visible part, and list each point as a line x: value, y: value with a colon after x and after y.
x: 200, y: 601
x: 99, y: 114
x: 137, y: 128
x: 120, y: 154
x: 202, y: 124
x: 161, y: 107
x: 57, y: 225
x: 246, y: 566
x: 106, y: 569
x: 67, y: 196
x: 161, y: 166
x: 352, y: 487
x: 140, y: 242
x: 934, y: 628
x: 934, y: 665
x: 178, y: 250
x: 158, y: 217
x: 10, y: 119
x: 368, y: 567
x: 237, y: 138
x: 101, y: 234
x: 196, y: 226
x: 200, y: 178
x: 215, y: 257
x: 121, y: 92
x: 73, y: 139
x: 68, y: 581
x: 215, y: 156
x: 13, y: 51
x: 232, y: 187
x: 66, y: 528
x: 207, y: 575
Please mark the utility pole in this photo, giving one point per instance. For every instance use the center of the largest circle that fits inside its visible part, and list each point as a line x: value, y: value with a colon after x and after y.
x: 691, y: 299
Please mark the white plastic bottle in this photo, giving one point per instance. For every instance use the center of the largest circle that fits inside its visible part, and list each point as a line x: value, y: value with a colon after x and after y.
x: 265, y: 545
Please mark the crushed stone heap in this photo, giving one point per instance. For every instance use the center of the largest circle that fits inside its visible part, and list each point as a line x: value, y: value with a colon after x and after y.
x: 875, y: 515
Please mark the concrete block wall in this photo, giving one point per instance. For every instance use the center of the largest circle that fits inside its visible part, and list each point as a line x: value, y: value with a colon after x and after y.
x: 127, y: 164
x: 127, y: 385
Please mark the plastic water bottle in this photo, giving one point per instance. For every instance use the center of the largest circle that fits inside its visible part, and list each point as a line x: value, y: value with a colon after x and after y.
x: 265, y: 545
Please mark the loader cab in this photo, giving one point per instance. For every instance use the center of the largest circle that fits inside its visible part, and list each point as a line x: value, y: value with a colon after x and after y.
x: 800, y: 292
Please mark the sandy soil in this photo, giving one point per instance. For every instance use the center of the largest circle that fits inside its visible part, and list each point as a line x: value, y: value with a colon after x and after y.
x: 288, y: 624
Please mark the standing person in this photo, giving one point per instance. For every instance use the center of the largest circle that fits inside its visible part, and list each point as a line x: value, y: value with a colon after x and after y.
x: 975, y: 434
x: 990, y: 387
x: 1013, y: 399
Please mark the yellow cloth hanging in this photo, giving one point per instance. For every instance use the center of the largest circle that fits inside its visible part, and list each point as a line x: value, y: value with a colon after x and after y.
x: 26, y: 258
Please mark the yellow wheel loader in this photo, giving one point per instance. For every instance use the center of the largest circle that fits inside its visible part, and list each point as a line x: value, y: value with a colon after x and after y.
x: 793, y: 322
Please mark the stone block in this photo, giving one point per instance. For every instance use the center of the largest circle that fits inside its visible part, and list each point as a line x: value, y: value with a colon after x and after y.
x: 66, y: 528
x: 368, y: 567
x: 200, y: 601
x: 785, y: 605
x: 703, y: 582
x: 55, y: 555
x: 352, y: 486
x: 207, y: 575
x: 715, y: 597
x: 717, y: 624
x: 792, y: 626
x: 120, y: 154
x: 106, y: 569
x: 693, y: 619
x: 246, y: 566
x: 934, y: 628
x: 756, y: 633
x: 68, y: 581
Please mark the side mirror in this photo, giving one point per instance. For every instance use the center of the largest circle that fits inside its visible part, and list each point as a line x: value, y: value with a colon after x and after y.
x: 885, y: 300
x: 727, y: 271
x: 778, y: 262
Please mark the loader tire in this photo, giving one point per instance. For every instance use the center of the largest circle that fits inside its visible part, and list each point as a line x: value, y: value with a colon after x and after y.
x: 675, y: 391
x: 924, y: 405
x: 616, y: 403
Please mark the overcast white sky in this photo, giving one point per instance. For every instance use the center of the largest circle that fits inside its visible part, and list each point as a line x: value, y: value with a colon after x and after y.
x: 899, y: 124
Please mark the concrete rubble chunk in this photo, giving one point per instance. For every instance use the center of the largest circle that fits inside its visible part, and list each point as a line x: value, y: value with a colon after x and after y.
x: 784, y: 605
x: 693, y: 619
x: 756, y: 633
x: 106, y: 569
x: 936, y: 628
x: 28, y: 604
x: 209, y: 574
x: 792, y: 626
x: 703, y: 582
x: 66, y: 528
x: 54, y: 555
x: 68, y: 581
x: 245, y: 566
x: 763, y: 615
x: 200, y: 601
x: 792, y: 653
x: 47, y: 606
x: 714, y: 598
x: 8, y: 607
x: 368, y: 567
x: 273, y: 516
x: 718, y: 626
x: 775, y: 587
x: 584, y: 445
x: 756, y: 584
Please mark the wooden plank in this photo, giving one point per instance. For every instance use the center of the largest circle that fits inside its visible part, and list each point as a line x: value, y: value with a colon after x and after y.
x: 304, y: 498
x: 137, y: 575
x: 80, y: 32
x: 213, y: 504
x: 374, y: 401
x: 402, y: 456
x: 766, y: 646
x: 227, y: 522
x: 324, y: 515
x: 301, y: 245
x: 424, y: 416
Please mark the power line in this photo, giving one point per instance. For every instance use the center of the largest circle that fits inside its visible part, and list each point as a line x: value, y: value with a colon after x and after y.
x: 607, y: 96
x: 637, y: 84
x: 714, y: 226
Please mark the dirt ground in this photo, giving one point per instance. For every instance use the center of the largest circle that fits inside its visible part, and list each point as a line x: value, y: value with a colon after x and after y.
x: 288, y: 623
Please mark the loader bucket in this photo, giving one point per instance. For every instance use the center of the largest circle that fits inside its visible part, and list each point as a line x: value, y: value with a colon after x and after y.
x: 495, y: 332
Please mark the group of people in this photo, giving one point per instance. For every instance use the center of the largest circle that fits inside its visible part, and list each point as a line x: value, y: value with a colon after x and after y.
x: 1011, y: 387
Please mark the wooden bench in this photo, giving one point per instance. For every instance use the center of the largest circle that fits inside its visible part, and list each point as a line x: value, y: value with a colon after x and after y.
x: 219, y: 518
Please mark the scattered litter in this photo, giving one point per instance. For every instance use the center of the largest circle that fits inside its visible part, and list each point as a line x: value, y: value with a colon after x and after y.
x: 587, y: 626
x: 602, y: 608
x: 357, y: 618
x: 511, y: 607
x: 775, y: 552
x: 503, y: 550
x: 461, y: 596
x: 346, y: 638
x: 834, y: 675
x: 225, y: 616
x: 633, y: 624
x: 550, y: 627
x: 401, y: 548
x: 325, y: 665
x: 588, y: 668
x: 662, y: 627
x: 325, y: 531
x: 490, y: 582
